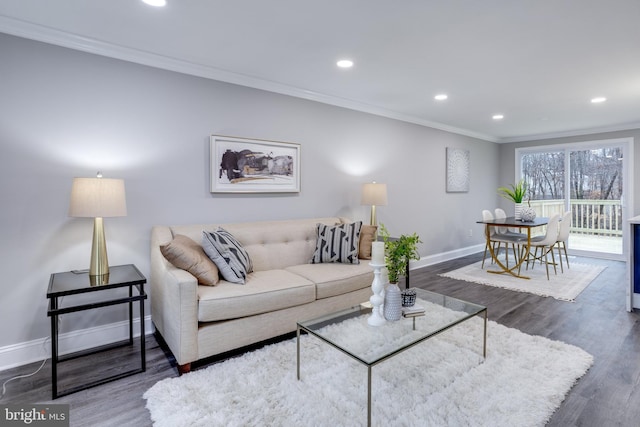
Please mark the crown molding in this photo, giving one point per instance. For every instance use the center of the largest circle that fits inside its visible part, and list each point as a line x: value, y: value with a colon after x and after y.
x: 590, y: 131
x: 73, y: 41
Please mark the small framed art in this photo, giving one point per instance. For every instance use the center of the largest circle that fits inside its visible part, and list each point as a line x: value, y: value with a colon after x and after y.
x: 457, y: 170
x: 243, y: 165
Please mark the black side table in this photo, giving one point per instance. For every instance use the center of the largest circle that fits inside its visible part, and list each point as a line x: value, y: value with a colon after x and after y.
x: 75, y: 283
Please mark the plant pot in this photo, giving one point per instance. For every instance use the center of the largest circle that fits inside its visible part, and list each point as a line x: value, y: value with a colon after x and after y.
x: 408, y: 297
x: 392, y: 302
x: 518, y: 211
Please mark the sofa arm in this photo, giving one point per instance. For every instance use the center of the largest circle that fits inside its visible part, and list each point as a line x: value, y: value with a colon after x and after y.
x: 174, y: 301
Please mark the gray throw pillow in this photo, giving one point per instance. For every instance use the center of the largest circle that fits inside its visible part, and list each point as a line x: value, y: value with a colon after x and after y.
x: 227, y: 254
x: 337, y: 243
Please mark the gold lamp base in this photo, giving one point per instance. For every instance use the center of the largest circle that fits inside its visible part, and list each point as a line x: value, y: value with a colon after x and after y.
x: 99, y: 266
x: 374, y: 220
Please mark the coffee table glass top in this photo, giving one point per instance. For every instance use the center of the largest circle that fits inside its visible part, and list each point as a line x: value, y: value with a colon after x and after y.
x: 377, y: 343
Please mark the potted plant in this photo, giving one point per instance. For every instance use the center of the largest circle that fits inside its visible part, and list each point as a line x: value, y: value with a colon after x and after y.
x: 515, y: 193
x: 398, y: 252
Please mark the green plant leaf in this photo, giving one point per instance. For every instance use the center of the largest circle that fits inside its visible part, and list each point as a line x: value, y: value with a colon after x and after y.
x: 515, y: 193
x: 398, y: 252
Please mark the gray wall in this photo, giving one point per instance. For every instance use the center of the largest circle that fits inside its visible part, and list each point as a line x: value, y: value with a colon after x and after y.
x: 65, y: 113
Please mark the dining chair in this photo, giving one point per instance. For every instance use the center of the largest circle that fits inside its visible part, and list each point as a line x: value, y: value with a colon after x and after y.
x: 563, y: 236
x: 545, y: 244
x: 508, y: 236
x: 488, y: 216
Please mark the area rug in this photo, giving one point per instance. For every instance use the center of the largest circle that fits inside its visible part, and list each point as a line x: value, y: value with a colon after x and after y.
x: 443, y: 381
x: 562, y: 286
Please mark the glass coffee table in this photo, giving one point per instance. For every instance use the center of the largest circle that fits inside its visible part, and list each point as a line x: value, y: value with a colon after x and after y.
x: 380, y: 343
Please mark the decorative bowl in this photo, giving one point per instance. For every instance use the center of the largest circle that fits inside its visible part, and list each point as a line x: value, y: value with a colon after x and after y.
x: 408, y: 297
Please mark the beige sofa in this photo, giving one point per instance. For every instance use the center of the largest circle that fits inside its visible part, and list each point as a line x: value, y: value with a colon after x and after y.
x: 198, y: 321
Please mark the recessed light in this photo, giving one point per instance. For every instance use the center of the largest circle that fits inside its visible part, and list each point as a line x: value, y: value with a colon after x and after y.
x: 156, y: 3
x: 345, y: 63
x: 598, y: 99
x: 440, y: 97
x: 497, y: 117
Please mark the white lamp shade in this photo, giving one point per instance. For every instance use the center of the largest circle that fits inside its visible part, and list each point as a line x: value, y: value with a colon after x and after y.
x: 374, y: 194
x: 97, y: 198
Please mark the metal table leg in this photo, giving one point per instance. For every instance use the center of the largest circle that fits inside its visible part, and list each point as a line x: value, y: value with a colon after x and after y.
x: 369, y: 396
x: 298, y: 352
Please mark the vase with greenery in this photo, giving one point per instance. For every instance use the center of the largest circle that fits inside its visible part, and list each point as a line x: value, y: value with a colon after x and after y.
x: 398, y: 252
x: 515, y: 193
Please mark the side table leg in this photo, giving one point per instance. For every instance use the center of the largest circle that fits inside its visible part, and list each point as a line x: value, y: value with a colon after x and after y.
x: 131, y: 316
x: 54, y: 350
x: 143, y: 355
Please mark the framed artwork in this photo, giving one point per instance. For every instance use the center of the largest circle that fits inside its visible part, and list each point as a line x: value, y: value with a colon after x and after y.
x: 457, y: 170
x: 243, y: 165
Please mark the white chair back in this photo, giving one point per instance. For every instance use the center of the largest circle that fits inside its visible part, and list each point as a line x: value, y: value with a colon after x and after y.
x: 501, y: 214
x: 488, y: 216
x: 551, y: 236
x: 565, y: 227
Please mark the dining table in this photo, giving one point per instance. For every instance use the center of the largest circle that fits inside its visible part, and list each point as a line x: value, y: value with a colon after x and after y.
x: 512, y: 222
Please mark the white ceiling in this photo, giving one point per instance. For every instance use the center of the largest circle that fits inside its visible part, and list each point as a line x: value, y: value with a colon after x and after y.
x: 538, y: 62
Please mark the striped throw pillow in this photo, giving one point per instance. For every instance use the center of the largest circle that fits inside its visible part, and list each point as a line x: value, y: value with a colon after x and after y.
x: 227, y: 254
x: 337, y: 243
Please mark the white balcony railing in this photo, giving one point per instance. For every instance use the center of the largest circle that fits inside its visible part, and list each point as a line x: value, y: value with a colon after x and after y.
x: 589, y: 217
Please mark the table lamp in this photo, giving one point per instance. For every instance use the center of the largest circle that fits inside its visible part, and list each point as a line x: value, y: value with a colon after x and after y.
x: 374, y: 194
x: 98, y: 198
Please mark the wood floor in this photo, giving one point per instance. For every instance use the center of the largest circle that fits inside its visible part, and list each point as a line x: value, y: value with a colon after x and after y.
x: 608, y: 395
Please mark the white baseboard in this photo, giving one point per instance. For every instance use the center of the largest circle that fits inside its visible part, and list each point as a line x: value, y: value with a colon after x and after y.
x: 446, y: 256
x: 15, y: 355
x: 636, y: 300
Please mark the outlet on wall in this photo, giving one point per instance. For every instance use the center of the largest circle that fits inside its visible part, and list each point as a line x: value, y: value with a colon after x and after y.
x: 471, y: 232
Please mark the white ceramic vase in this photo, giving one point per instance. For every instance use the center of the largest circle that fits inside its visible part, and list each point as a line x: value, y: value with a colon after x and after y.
x: 392, y: 302
x: 518, y: 211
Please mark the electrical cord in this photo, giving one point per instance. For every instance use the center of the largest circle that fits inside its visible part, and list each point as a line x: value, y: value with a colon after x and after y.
x: 44, y: 343
x: 4, y: 385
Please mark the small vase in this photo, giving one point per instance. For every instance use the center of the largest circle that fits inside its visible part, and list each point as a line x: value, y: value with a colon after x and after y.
x: 518, y: 211
x: 527, y: 214
x: 392, y: 302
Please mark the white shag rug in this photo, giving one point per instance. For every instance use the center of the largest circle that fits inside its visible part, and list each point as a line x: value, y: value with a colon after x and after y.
x: 440, y: 382
x: 562, y: 286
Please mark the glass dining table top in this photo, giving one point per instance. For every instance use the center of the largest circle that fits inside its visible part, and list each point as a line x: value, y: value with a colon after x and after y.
x: 511, y: 221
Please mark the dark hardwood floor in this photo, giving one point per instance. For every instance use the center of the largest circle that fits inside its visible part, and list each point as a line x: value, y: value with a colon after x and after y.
x: 608, y: 395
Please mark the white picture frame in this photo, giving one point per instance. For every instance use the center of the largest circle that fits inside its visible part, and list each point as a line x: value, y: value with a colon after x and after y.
x: 245, y: 165
x: 457, y: 170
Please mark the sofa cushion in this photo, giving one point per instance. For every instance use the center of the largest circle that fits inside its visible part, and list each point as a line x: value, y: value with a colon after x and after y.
x: 367, y: 237
x: 271, y: 245
x: 228, y: 255
x: 264, y: 291
x: 335, y: 279
x: 186, y: 254
x: 337, y: 243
